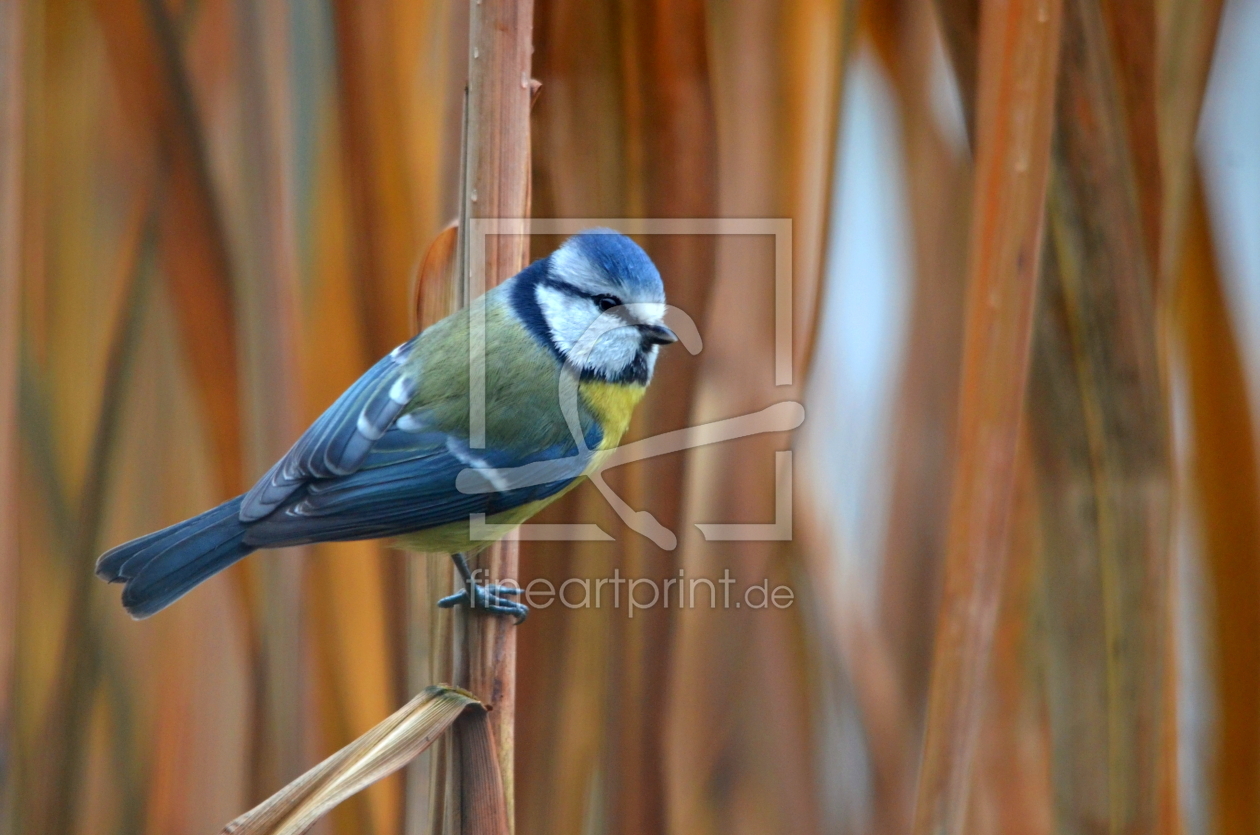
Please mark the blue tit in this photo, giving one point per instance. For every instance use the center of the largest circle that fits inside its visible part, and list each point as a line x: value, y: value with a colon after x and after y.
x: 384, y: 460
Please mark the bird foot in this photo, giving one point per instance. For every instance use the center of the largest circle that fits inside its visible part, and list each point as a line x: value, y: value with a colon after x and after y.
x: 492, y: 599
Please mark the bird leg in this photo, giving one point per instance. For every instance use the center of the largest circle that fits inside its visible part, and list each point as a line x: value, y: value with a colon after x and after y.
x: 489, y: 598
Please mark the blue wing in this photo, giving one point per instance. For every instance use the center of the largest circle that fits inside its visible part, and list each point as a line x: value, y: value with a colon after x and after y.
x: 407, y: 483
x: 338, y: 442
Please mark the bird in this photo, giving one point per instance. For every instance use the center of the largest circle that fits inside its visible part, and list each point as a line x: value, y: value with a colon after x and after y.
x: 570, y: 345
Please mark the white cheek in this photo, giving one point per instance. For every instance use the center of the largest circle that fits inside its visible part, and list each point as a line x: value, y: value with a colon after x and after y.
x: 567, y: 318
x: 614, y: 351
x: 578, y: 328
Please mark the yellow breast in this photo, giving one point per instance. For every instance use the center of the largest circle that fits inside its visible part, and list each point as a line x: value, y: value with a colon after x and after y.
x: 613, y: 405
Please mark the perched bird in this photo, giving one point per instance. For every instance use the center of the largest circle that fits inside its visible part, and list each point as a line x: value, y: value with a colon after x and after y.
x: 385, y: 459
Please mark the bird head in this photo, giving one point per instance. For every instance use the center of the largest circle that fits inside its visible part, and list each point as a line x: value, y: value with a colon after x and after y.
x: 599, y: 302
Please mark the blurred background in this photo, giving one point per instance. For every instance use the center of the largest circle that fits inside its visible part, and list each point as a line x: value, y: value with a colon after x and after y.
x: 212, y: 213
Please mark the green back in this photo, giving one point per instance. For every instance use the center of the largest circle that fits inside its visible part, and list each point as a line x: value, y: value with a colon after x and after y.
x: 522, y: 381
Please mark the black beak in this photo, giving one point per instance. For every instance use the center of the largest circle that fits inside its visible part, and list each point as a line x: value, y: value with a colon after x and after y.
x: 657, y: 334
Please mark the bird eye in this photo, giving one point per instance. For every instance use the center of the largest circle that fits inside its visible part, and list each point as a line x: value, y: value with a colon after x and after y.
x: 605, y: 302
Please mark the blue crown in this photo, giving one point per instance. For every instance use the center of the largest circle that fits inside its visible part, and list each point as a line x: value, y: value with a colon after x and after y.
x: 621, y: 259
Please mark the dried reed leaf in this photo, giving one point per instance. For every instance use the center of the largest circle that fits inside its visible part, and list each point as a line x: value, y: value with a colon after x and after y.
x: 380, y: 752
x: 1226, y: 496
x: 1186, y: 42
x: 1019, y: 47
x: 814, y: 46
x: 434, y: 292
x: 939, y: 179
x: 1100, y: 428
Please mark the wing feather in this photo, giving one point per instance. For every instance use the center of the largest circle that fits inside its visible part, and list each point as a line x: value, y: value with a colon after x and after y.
x: 376, y: 464
x: 338, y: 442
x: 407, y: 484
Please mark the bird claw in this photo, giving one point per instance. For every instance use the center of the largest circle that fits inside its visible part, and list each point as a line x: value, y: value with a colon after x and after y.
x: 492, y: 599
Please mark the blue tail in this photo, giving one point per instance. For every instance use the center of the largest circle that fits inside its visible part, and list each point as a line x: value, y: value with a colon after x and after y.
x: 162, y: 567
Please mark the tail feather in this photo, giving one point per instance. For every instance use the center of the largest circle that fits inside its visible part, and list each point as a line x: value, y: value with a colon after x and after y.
x: 127, y: 560
x: 163, y: 566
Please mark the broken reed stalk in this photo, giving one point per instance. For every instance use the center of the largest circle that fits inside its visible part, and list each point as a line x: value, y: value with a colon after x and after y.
x: 1018, y: 58
x: 380, y: 752
x: 496, y: 185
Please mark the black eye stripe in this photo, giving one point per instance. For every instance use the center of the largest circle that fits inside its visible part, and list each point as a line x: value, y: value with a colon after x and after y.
x: 604, y: 301
x: 572, y: 291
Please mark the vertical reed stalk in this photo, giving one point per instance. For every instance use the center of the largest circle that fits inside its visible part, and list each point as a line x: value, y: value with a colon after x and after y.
x: 382, y: 209
x: 1018, y: 58
x: 1186, y: 32
x: 272, y: 314
x: 939, y: 179
x: 12, y: 102
x: 496, y: 184
x: 436, y: 295
x: 1225, y: 495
